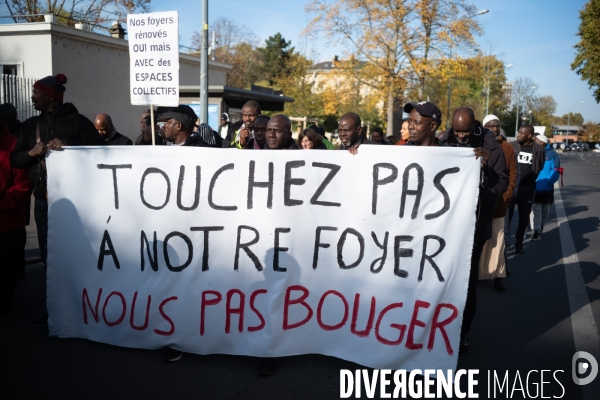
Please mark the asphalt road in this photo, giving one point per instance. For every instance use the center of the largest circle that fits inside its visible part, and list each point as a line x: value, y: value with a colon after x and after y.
x: 527, y: 328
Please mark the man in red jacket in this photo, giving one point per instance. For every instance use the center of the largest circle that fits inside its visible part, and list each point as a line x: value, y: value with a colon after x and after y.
x: 14, y: 193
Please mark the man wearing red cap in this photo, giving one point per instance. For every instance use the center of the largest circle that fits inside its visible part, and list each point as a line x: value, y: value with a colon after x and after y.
x: 59, y: 124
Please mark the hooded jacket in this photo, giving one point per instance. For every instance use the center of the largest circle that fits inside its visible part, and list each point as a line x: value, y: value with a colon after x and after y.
x: 64, y: 123
x: 493, y: 180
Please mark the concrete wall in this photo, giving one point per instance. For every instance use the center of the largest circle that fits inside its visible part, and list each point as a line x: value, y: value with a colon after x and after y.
x: 96, y: 66
x: 27, y: 45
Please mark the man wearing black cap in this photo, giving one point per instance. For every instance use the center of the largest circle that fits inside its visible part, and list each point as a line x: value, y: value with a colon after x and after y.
x: 179, y: 126
x: 466, y: 131
x: 424, y: 119
x: 59, y: 124
x: 351, y: 134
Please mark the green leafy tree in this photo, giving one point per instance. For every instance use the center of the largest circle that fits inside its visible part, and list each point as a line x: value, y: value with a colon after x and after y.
x: 591, y: 132
x: 276, y: 57
x: 575, y: 119
x: 587, y: 59
x: 468, y: 87
x: 404, y: 43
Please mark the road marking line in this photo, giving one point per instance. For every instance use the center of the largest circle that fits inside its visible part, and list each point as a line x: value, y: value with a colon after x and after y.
x: 585, y: 332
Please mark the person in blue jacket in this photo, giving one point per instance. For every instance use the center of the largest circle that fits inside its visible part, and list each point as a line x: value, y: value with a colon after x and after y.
x: 544, y: 188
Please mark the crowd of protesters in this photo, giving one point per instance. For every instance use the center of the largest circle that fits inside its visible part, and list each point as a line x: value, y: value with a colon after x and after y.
x: 518, y: 174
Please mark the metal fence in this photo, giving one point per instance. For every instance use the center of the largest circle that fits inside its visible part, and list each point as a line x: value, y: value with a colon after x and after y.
x: 17, y: 91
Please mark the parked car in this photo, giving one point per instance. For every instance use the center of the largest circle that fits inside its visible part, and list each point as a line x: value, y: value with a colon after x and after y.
x: 564, y: 147
x: 584, y: 147
x: 576, y: 147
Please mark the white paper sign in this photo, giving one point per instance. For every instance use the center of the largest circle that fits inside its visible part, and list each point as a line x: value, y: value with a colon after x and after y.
x: 264, y: 253
x: 154, y: 58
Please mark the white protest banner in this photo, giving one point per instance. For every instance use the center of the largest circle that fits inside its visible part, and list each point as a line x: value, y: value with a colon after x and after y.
x: 264, y: 253
x: 154, y: 58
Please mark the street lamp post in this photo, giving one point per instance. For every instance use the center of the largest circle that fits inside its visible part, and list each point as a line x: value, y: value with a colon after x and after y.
x: 569, y: 119
x: 450, y: 86
x: 517, y: 120
x: 489, y: 78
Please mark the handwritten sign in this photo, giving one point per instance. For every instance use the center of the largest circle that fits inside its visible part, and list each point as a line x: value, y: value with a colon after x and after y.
x: 264, y: 253
x: 154, y: 58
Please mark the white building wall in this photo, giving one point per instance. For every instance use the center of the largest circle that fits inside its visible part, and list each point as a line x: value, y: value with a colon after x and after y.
x: 96, y: 66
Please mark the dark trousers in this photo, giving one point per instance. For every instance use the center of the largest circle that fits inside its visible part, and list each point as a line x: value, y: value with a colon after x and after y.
x: 471, y: 304
x: 40, y: 213
x: 12, y: 251
x: 524, y: 201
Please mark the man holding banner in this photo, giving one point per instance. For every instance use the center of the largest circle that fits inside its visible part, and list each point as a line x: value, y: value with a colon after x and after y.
x: 466, y: 131
x: 59, y: 124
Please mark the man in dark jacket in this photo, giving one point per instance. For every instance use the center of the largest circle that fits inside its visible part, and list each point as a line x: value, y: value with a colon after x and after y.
x: 59, y: 124
x: 468, y: 132
x: 278, y: 137
x: 350, y: 132
x: 260, y: 133
x: 145, y: 137
x: 210, y: 137
x: 279, y: 134
x: 530, y: 157
x: 179, y: 126
x: 378, y: 136
x: 240, y: 132
x: 107, y: 130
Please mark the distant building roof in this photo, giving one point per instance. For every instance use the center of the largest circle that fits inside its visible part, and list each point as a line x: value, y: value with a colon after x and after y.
x: 566, y: 127
x: 329, y: 65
